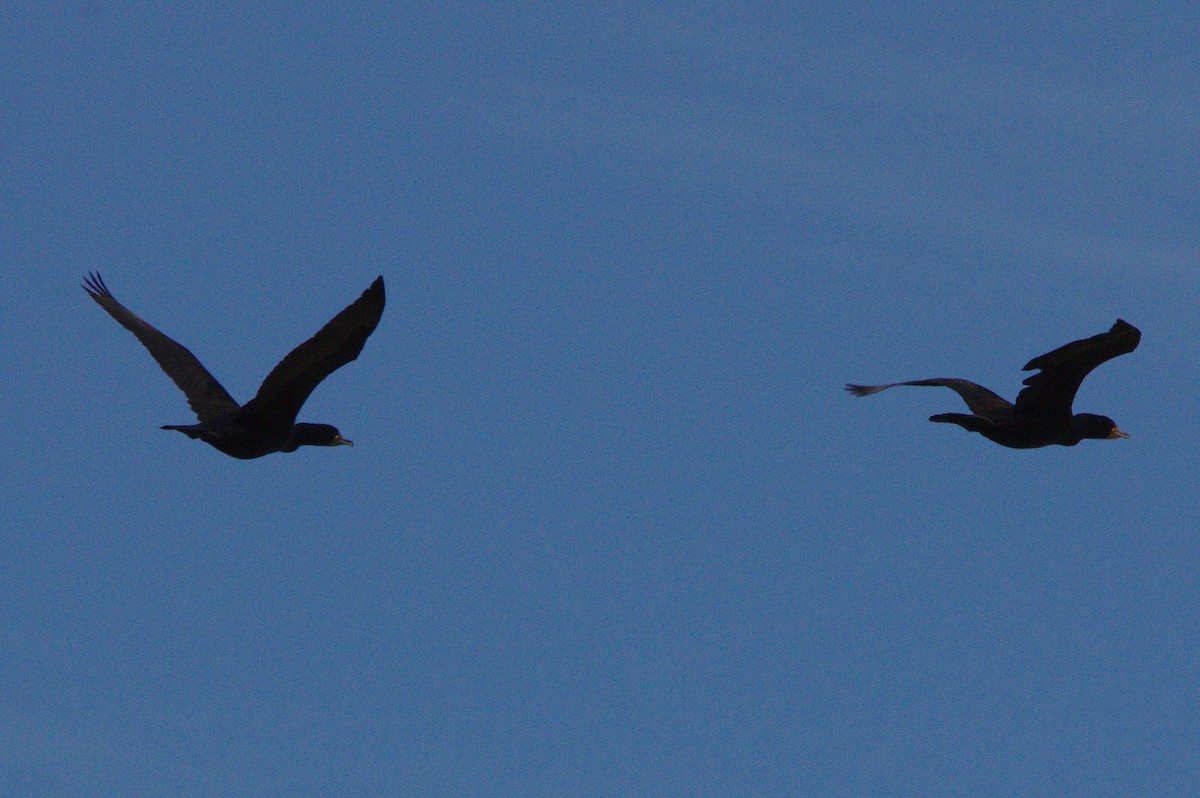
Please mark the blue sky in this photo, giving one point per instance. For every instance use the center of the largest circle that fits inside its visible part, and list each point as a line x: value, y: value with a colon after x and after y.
x: 611, y: 526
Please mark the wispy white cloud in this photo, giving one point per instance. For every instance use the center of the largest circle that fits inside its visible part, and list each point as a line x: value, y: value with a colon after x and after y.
x: 931, y: 184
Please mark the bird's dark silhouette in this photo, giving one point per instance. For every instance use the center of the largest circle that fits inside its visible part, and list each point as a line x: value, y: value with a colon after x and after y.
x: 1042, y: 413
x: 267, y: 423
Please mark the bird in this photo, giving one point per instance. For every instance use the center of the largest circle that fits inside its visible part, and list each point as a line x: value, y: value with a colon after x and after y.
x: 267, y: 423
x: 1042, y: 414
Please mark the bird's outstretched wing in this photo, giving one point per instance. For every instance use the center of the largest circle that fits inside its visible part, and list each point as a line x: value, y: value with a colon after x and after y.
x: 1052, y: 390
x: 207, y: 398
x: 289, y: 384
x: 980, y: 400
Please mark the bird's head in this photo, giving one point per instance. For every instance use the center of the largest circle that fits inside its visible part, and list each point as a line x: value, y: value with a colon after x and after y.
x: 318, y: 435
x: 1089, y: 425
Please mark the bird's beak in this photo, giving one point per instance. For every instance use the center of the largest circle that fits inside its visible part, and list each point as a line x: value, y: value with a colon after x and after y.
x: 1116, y: 433
x: 338, y: 440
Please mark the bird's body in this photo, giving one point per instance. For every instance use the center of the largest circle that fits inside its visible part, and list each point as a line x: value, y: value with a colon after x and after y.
x: 267, y: 423
x: 1042, y: 414
x: 248, y: 438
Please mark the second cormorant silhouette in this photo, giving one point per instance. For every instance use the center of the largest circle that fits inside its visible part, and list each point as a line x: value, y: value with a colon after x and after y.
x: 1042, y: 414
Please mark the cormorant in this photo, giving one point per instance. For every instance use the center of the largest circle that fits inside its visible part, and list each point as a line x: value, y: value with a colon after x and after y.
x: 1042, y: 413
x: 267, y: 423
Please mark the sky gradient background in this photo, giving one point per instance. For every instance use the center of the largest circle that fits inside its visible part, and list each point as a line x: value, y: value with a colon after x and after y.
x: 611, y: 525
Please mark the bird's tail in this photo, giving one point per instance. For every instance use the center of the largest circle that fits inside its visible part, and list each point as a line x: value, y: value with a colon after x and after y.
x: 972, y: 423
x: 193, y: 431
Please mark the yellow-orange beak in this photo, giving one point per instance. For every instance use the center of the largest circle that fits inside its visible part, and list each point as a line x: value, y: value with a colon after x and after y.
x: 1116, y: 433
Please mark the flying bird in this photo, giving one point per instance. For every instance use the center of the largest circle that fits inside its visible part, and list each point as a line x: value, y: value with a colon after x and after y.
x: 267, y: 423
x: 1042, y: 414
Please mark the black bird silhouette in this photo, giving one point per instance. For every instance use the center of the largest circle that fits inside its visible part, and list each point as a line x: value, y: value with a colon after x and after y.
x: 267, y: 423
x: 1042, y: 414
